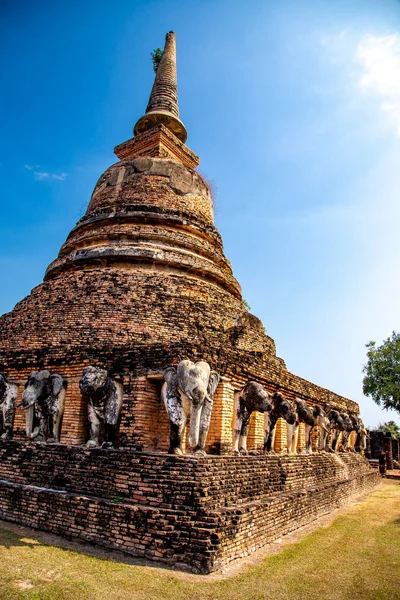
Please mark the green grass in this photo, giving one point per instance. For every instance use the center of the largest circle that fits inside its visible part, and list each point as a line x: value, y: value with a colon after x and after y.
x: 355, y: 557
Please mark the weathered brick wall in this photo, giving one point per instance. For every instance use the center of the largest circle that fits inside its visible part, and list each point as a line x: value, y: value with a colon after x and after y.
x: 152, y: 182
x: 103, y: 321
x: 381, y: 442
x: 198, y: 513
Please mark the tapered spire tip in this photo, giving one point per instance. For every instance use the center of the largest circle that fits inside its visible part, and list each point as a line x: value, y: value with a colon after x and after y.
x: 163, y: 103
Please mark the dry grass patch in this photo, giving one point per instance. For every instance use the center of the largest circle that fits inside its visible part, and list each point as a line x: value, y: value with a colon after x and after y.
x: 357, y: 557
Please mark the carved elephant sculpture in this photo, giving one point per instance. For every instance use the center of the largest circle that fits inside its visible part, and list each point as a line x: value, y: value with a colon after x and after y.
x: 189, y: 390
x: 324, y: 430
x: 348, y: 428
x: 354, y: 433
x: 362, y: 438
x: 8, y: 398
x: 311, y: 417
x: 280, y: 408
x: 252, y: 397
x: 104, y: 397
x: 337, y: 426
x: 43, y: 402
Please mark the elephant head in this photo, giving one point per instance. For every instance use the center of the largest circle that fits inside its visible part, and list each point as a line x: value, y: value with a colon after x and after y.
x: 348, y: 428
x: 324, y: 426
x: 43, y: 401
x: 252, y: 397
x: 189, y: 389
x: 311, y: 416
x: 198, y: 383
x: 8, y: 397
x: 354, y: 433
x: 304, y: 412
x: 336, y: 427
x: 336, y: 420
x: 104, y: 396
x: 93, y: 381
x: 356, y: 422
x: 280, y: 408
x: 283, y: 408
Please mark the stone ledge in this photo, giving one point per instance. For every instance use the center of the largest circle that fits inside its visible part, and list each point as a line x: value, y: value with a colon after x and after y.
x: 198, y: 513
x: 181, y: 260
x: 158, y: 141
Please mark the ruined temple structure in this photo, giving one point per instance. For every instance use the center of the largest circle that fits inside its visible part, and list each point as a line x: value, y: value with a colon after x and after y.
x: 142, y: 283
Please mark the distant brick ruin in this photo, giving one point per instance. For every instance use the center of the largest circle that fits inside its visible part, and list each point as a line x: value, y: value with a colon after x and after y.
x: 140, y: 285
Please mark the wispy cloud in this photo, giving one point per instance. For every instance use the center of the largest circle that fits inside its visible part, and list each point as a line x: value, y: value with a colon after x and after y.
x: 41, y: 175
x: 45, y: 175
x: 380, y: 60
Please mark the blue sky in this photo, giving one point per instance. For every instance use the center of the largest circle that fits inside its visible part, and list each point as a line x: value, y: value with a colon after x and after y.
x: 294, y: 109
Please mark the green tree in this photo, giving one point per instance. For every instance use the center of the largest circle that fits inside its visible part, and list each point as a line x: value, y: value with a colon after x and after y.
x: 156, y: 57
x: 389, y: 427
x: 382, y: 373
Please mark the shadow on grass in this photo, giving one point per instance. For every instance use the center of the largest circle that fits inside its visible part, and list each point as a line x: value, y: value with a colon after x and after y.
x: 31, y: 538
x: 8, y: 539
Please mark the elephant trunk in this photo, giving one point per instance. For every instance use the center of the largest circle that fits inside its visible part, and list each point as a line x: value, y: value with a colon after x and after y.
x: 195, y: 414
x: 362, y: 443
x: 29, y: 396
x: 29, y: 422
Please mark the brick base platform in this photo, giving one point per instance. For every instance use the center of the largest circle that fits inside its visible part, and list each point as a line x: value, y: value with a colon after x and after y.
x: 393, y: 474
x: 197, y: 514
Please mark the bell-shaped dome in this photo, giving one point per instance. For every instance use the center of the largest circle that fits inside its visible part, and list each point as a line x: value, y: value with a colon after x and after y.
x: 149, y: 211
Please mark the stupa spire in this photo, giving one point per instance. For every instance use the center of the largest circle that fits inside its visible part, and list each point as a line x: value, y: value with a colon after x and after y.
x: 163, y: 103
x: 159, y: 133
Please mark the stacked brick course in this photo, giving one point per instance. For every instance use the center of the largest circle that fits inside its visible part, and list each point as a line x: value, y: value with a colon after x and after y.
x: 194, y: 513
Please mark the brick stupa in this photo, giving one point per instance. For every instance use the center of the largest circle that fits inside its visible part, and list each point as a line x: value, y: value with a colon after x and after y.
x: 141, y: 283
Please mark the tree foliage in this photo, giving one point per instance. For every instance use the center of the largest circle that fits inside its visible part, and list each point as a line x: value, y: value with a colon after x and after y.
x: 389, y: 427
x: 382, y: 373
x: 156, y: 57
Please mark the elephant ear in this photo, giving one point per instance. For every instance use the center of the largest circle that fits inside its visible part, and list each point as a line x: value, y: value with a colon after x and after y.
x: 327, y: 407
x: 213, y: 381
x: 3, y: 385
x: 33, y: 374
x: 318, y: 411
x: 171, y: 377
x: 57, y: 383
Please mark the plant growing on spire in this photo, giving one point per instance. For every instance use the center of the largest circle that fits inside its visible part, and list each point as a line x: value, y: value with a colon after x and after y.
x: 156, y: 57
x: 246, y: 305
